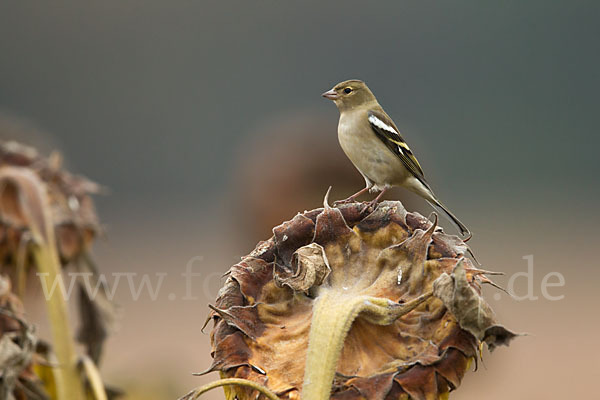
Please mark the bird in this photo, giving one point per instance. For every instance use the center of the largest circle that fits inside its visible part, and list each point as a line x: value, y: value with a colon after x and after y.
x: 373, y: 143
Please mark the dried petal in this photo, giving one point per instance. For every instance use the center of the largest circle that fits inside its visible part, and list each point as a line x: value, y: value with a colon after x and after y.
x: 470, y: 309
x: 310, y: 268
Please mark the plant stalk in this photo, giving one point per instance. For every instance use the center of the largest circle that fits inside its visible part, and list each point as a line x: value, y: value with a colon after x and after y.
x: 332, y: 318
x: 68, y: 381
x: 196, y: 393
x: 333, y: 315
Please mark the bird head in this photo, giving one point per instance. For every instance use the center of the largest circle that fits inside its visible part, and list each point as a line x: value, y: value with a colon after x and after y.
x: 350, y: 94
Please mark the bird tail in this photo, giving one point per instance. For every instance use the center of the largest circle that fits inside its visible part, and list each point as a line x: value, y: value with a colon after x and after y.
x: 436, y: 204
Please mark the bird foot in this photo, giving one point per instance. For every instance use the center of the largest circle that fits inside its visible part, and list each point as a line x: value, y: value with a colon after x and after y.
x: 372, y: 205
x: 350, y: 199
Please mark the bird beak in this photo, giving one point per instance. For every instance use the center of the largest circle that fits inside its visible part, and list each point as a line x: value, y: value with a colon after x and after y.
x: 330, y: 94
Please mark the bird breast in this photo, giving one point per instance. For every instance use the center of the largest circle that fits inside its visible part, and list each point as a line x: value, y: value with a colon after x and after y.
x: 367, y: 152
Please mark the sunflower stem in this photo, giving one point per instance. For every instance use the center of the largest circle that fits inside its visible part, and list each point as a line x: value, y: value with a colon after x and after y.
x: 36, y: 206
x: 196, y: 393
x: 68, y: 382
x: 333, y: 315
x: 331, y: 321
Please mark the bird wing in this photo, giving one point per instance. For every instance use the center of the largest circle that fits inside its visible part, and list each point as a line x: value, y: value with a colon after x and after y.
x: 386, y: 131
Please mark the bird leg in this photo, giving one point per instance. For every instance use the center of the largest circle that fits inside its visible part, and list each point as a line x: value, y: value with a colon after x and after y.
x: 352, y: 198
x: 374, y: 202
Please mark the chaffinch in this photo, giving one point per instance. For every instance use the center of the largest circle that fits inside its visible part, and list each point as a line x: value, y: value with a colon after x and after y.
x: 373, y: 143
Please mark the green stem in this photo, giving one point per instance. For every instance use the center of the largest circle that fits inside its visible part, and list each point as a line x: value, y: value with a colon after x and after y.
x: 94, y: 379
x: 332, y: 318
x: 333, y: 315
x: 36, y: 206
x: 194, y: 394
x: 68, y: 382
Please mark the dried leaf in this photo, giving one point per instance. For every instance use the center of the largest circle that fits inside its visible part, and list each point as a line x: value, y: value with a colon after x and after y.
x: 16, y: 350
x: 23, y: 201
x: 96, y: 318
x: 97, y: 313
x: 310, y: 268
x: 470, y: 309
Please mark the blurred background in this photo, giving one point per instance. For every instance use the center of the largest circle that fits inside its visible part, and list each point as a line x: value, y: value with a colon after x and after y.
x: 205, y: 123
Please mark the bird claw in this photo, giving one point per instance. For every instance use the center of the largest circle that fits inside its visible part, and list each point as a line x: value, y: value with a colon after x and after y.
x: 370, y: 206
x: 352, y: 198
x: 373, y: 203
x: 344, y: 201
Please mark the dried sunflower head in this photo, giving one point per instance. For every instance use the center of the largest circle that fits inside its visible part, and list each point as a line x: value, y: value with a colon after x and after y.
x: 47, y: 217
x: 335, y: 287
x: 73, y: 213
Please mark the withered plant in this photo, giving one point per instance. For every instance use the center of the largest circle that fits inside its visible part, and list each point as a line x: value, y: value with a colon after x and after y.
x: 344, y: 303
x: 47, y: 222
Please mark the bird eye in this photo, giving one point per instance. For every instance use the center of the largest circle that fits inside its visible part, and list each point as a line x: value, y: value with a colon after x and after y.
x: 348, y: 90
